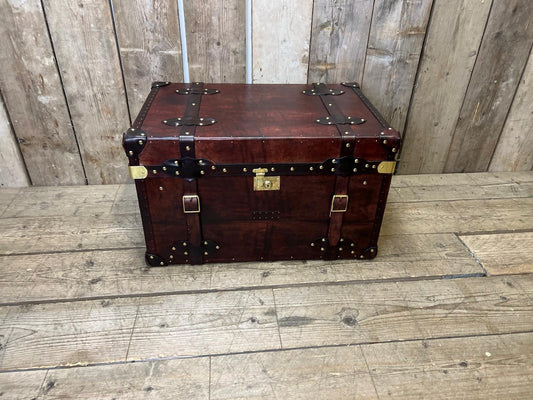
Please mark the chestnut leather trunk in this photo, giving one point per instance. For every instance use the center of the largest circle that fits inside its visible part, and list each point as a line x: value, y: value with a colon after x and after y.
x: 236, y: 172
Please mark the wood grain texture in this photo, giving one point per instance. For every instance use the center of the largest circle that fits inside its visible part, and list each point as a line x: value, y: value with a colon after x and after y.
x: 87, y: 56
x: 338, y: 40
x: 502, y: 57
x: 25, y: 385
x: 450, y: 51
x: 31, y: 88
x: 173, y: 379
x: 148, y: 34
x: 494, y: 367
x: 94, y: 274
x: 508, y: 253
x: 324, y: 373
x: 514, y: 149
x: 12, y: 168
x: 281, y: 35
x: 394, y: 46
x: 458, y: 216
x: 377, y: 312
x: 216, y: 40
x: 7, y: 196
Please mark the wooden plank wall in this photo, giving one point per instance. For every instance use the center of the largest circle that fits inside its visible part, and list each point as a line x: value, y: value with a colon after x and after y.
x: 454, y: 76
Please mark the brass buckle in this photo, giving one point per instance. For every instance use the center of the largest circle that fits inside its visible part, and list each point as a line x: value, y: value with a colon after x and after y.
x: 338, y: 196
x: 193, y: 196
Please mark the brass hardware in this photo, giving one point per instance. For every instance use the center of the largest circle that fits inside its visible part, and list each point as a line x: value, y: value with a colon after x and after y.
x: 387, y: 167
x: 130, y: 153
x: 138, y: 172
x: 338, y: 196
x: 161, y: 263
x: 262, y: 182
x: 292, y: 168
x: 364, y: 182
x: 160, y: 187
x: 177, y: 172
x: 194, y: 196
x: 171, y: 256
x: 173, y: 248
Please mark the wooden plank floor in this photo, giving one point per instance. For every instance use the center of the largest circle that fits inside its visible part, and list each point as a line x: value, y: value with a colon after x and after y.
x: 444, y: 312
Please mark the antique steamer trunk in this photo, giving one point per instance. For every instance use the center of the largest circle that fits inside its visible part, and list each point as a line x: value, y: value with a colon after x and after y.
x: 235, y: 172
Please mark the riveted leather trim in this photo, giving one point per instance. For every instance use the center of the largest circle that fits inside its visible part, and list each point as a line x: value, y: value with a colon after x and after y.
x: 153, y: 260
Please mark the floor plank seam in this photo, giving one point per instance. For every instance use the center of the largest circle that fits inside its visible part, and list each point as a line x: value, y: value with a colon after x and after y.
x: 40, y: 253
x: 495, y: 232
x: 277, y: 319
x: 362, y: 351
x: 287, y: 349
x: 477, y: 260
x: 247, y: 288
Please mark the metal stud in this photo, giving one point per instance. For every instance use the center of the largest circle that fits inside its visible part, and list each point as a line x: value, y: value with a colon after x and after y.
x: 201, y: 162
x: 173, y: 248
x: 352, y: 252
x: 363, y: 120
x: 394, y: 150
x: 327, y: 117
x: 160, y: 187
x: 206, y: 253
x: 381, y: 133
x: 217, y: 247
x: 272, y: 169
x: 205, y: 243
x: 334, y: 161
x: 340, y: 248
x: 193, y: 104
x: 201, y: 119
x: 171, y: 256
x: 355, y: 170
x: 341, y: 240
x: 292, y: 168
x: 184, y: 243
x: 188, y: 148
x: 175, y: 163
x: 187, y: 133
x: 161, y: 263
x: 312, y: 245
x: 346, y: 133
x: 330, y: 104
x: 202, y: 172
x: 374, y: 166
x: 224, y: 170
x: 371, y: 250
x: 347, y: 144
x: 177, y: 172
x: 352, y: 245
x: 366, y: 165
x: 244, y: 170
x: 321, y: 167
x: 165, y: 121
x: 164, y: 168
x: 213, y: 167
x: 332, y: 169
x: 140, y: 142
x: 390, y: 129
x: 322, y: 249
x: 356, y: 161
x: 349, y: 117
x: 130, y: 153
x: 151, y: 257
x: 361, y: 256
x: 323, y: 239
x: 364, y: 182
x: 385, y: 141
x: 185, y: 253
x: 317, y: 120
x: 311, y: 168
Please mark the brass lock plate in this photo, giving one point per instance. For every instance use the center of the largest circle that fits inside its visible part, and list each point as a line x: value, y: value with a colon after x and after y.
x: 262, y: 182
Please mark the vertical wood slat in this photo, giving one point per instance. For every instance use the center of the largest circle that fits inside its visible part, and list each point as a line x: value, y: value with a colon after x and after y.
x: 216, y: 40
x: 12, y: 169
x: 452, y: 43
x: 148, y: 33
x: 84, y: 40
x: 503, y: 54
x: 514, y: 151
x: 32, y: 91
x: 338, y: 40
x: 281, y: 34
x: 394, y: 47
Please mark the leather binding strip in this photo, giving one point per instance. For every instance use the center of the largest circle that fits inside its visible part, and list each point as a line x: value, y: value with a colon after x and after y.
x: 340, y: 196
x: 191, y: 201
x: 357, y: 89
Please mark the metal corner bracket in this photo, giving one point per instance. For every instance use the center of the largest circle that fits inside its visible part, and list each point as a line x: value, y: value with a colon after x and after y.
x: 138, y: 171
x: 387, y: 167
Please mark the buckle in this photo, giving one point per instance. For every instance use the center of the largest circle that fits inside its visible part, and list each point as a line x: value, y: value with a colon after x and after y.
x: 192, y: 198
x: 339, y: 197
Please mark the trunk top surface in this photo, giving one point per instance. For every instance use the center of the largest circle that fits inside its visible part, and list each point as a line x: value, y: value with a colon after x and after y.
x: 251, y: 120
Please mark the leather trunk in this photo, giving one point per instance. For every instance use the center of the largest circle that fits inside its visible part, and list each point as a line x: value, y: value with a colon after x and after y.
x: 236, y: 172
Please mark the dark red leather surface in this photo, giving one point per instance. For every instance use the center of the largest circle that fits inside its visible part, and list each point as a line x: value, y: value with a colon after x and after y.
x: 260, y: 124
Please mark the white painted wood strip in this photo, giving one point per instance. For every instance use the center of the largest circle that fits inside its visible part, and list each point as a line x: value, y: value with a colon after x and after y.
x: 338, y: 40
x: 394, y: 46
x: 216, y: 40
x: 377, y: 312
x: 148, y: 33
x: 90, y: 274
x: 514, y: 151
x: 12, y: 169
x: 506, y: 253
x: 452, y: 43
x: 85, y: 45
x: 493, y: 367
x: 31, y: 88
x: 281, y: 35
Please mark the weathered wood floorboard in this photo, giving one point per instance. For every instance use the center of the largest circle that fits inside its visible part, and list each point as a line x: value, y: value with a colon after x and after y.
x: 490, y: 367
x: 47, y: 335
x: 326, y: 315
x: 509, y: 253
x: 90, y: 274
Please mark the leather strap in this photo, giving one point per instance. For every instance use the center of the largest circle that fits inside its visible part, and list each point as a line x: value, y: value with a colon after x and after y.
x: 339, y: 202
x: 191, y: 201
